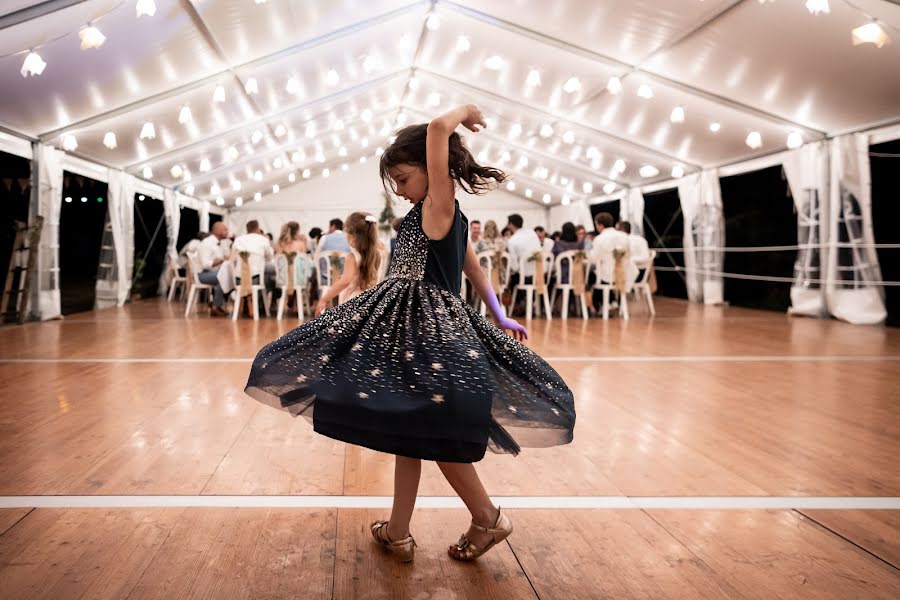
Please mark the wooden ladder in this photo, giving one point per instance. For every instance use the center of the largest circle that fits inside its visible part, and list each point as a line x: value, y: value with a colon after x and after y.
x: 21, y: 272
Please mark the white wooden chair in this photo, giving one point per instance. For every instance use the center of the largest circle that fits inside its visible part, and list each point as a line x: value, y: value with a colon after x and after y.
x: 565, y: 261
x: 529, y: 288
x: 607, y: 287
x: 176, y: 281
x: 257, y: 264
x: 643, y: 285
x: 322, y: 264
x: 193, y: 276
x: 302, y: 270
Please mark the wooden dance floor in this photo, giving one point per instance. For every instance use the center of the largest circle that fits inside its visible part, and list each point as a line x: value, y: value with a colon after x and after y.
x: 719, y: 453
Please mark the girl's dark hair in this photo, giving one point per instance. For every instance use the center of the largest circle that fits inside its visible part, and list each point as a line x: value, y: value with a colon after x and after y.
x: 409, y: 148
x: 568, y: 233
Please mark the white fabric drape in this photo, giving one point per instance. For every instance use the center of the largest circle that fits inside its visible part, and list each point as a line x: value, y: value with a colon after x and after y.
x: 632, y: 210
x: 120, y: 212
x: 49, y: 204
x: 807, y: 175
x: 204, y: 216
x: 172, y: 213
x: 704, y: 229
x: 852, y: 291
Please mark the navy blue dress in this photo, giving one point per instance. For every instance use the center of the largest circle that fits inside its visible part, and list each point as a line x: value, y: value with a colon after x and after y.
x: 408, y: 368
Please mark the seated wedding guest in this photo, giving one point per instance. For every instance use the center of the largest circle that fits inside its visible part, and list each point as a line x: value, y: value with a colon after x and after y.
x: 474, y: 232
x: 315, y: 234
x: 637, y: 244
x: 290, y: 239
x: 271, y: 240
x: 521, y: 245
x: 335, y: 240
x: 258, y: 245
x: 568, y: 240
x: 506, y: 234
x: 211, y: 255
x: 555, y: 236
x: 607, y: 242
x: 490, y: 239
x: 546, y: 242
x: 193, y: 245
x: 581, y: 232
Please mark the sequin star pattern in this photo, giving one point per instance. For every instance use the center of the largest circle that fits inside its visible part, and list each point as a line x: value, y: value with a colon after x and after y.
x: 409, y: 340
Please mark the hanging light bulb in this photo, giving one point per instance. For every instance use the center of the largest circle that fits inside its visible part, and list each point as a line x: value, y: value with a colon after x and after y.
x: 511, y: 186
x: 220, y: 201
x: 522, y: 162
x: 677, y: 171
x: 148, y: 131
x: 817, y: 7
x: 215, y: 190
x: 614, y: 86
x: 204, y: 165
x: 572, y: 85
x: 326, y: 172
x: 362, y: 160
x: 292, y: 177
x: 342, y: 151
x: 401, y: 119
x: 529, y: 192
x: 293, y: 86
x: 147, y: 172
x: 569, y: 137
x: 109, y: 140
x: 370, y: 63
x: 566, y: 200
x: 320, y: 156
x: 794, y: 140
x: 91, y: 37
x: 338, y: 125
x: 310, y: 131
x: 189, y: 190
x: 176, y: 171
x: 405, y: 43
x: 515, y: 131
x: 345, y: 167
x: 587, y: 187
x: 379, y: 151
x: 231, y: 154
x: 364, y: 143
x: 238, y: 201
x: 433, y: 22
x: 648, y: 171
x: 677, y: 115
x: 462, y: 44
x: 366, y: 115
x: 235, y: 185
x: 332, y: 78
x: 619, y: 166
x: 184, y: 115
x: 187, y: 174
x: 434, y: 99
x: 257, y: 196
x: 219, y: 93
x: 609, y: 188
x: 547, y: 198
x: 494, y: 62
x: 546, y: 130
x: 276, y: 188
x: 715, y: 126
x: 870, y: 33
x: 298, y: 156
x: 33, y: 64
x: 251, y: 87
x: 533, y: 79
x: 592, y: 152
x: 645, y: 91
x: 280, y: 130
x: 257, y: 175
x: 145, y: 8
x: 505, y: 157
x: 754, y: 140
x: 256, y: 137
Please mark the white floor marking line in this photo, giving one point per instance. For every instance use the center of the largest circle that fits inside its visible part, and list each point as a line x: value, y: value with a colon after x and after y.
x: 533, y: 502
x: 600, y: 359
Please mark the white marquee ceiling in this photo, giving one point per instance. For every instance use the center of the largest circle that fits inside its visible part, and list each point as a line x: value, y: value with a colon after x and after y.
x: 334, y: 79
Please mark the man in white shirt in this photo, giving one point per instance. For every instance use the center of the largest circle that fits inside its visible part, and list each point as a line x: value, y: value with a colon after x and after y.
x: 637, y: 244
x: 211, y: 255
x: 474, y: 232
x: 546, y: 241
x: 602, y: 256
x: 335, y: 240
x: 522, y: 244
x: 254, y: 242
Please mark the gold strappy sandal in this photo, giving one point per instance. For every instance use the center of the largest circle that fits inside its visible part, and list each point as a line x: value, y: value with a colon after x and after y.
x: 466, y: 550
x: 404, y: 550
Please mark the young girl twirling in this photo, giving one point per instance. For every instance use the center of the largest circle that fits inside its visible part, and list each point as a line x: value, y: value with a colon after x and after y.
x: 407, y: 367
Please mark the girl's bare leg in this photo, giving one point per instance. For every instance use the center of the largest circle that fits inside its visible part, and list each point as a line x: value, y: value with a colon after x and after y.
x: 406, y: 486
x: 465, y: 481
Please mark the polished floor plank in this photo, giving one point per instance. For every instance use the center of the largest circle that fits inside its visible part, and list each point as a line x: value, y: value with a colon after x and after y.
x: 364, y: 571
x: 877, y: 531
x: 10, y: 516
x: 779, y: 555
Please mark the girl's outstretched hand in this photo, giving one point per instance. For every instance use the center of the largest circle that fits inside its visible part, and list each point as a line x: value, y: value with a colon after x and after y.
x: 515, y: 329
x: 474, y: 118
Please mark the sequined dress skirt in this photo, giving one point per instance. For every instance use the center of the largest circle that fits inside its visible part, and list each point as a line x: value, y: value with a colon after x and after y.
x: 408, y: 368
